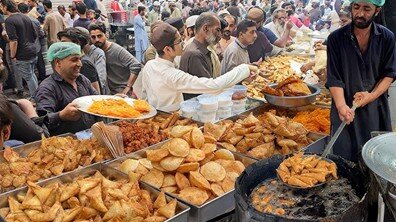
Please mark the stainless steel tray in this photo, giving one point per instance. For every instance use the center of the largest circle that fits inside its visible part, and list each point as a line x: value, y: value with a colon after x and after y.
x: 112, y: 174
x: 207, y: 211
x: 86, y: 134
x: 25, y: 149
x: 380, y: 156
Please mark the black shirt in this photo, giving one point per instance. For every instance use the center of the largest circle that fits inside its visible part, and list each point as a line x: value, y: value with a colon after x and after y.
x: 54, y: 94
x: 20, y: 28
x: 89, y: 70
x: 82, y: 22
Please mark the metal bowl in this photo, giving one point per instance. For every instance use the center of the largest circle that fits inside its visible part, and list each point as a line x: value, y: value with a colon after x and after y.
x: 293, y: 101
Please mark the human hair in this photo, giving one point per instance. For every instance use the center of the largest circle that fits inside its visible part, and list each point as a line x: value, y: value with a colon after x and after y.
x: 206, y: 18
x: 6, y: 116
x: 81, y: 8
x: 284, y: 5
x: 254, y: 2
x: 165, y: 15
x: 276, y: 13
x: 75, y: 35
x: 97, y: 26
x: 185, y: 2
x: 226, y: 15
x: 23, y: 7
x: 223, y: 23
x: 141, y: 9
x: 244, y: 25
x: 10, y: 5
x: 61, y: 7
x: 197, y: 10
x: 47, y: 3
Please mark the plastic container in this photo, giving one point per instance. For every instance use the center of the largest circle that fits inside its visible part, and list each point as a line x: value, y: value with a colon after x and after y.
x: 240, y: 92
x: 224, y: 112
x: 189, y: 108
x: 239, y: 106
x: 208, y: 103
x: 207, y: 116
x: 224, y: 100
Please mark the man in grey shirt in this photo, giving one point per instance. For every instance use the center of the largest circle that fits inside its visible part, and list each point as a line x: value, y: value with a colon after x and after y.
x: 122, y: 67
x: 237, y: 53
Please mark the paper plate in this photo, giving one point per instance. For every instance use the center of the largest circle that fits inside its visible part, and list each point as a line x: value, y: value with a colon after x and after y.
x: 379, y: 154
x: 83, y: 103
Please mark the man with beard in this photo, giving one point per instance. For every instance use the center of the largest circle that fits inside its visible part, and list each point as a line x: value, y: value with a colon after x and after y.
x: 196, y: 58
x: 56, y: 93
x: 122, y: 67
x: 226, y: 37
x: 361, y: 66
x: 141, y: 37
x: 315, y: 13
x: 237, y: 53
x: 279, y: 23
x: 154, y: 14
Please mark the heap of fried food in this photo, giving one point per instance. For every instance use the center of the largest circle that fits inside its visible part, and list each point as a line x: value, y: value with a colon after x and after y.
x: 264, y: 200
x: 317, y: 120
x: 324, y: 98
x: 94, y: 198
x: 150, y: 131
x: 188, y: 165
x: 277, y: 69
x: 260, y: 137
x: 54, y: 156
x: 292, y: 86
x: 119, y: 108
x: 306, y: 171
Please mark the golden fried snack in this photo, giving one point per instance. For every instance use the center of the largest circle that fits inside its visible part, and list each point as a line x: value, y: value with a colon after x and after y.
x: 306, y: 171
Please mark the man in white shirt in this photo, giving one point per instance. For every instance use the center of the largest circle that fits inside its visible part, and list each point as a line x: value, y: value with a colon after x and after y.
x: 163, y: 84
x: 65, y: 15
x: 279, y: 23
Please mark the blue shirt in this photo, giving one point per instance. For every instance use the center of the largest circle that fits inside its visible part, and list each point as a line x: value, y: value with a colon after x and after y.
x: 269, y: 34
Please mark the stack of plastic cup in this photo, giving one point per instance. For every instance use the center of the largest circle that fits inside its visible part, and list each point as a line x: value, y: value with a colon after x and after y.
x: 225, y: 106
x: 189, y: 109
x: 239, y: 98
x: 208, y: 106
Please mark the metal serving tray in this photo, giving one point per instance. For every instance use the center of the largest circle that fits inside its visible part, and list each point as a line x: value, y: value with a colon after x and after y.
x: 320, y: 140
x: 25, y: 149
x: 86, y: 134
x: 112, y: 174
x: 210, y: 209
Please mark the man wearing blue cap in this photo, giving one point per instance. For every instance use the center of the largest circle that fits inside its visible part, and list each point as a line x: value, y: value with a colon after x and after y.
x: 361, y: 66
x: 56, y: 93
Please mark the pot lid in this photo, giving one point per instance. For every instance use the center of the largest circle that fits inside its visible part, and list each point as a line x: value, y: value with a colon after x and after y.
x: 379, y: 154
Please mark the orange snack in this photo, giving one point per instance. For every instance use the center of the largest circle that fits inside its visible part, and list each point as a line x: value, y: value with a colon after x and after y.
x: 316, y: 121
x: 119, y: 108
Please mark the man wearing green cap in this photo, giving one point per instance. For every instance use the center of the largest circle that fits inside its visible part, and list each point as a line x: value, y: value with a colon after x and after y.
x: 361, y: 66
x: 55, y: 94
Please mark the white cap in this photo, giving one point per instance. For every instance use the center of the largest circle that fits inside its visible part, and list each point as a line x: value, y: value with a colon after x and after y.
x: 141, y: 5
x: 190, y: 21
x: 315, y: 1
x: 156, y: 3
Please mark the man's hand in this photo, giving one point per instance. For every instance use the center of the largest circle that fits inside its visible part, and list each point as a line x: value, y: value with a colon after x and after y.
x: 346, y: 114
x: 289, y: 25
x: 126, y: 90
x: 70, y: 113
x: 363, y: 98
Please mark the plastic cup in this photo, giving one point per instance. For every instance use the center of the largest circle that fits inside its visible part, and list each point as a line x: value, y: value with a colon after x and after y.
x: 240, y: 92
x: 207, y: 116
x: 239, y: 106
x: 189, y: 108
x: 224, y: 100
x: 224, y: 112
x: 208, y: 103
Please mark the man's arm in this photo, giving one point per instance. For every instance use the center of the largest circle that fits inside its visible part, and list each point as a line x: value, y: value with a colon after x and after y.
x: 282, y: 41
x: 13, y: 48
x: 134, y: 66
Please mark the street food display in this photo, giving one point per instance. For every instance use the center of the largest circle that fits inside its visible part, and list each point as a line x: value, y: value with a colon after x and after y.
x: 147, y: 132
x: 94, y: 198
x: 292, y: 86
x: 306, y: 171
x: 259, y: 137
x: 188, y: 166
x: 324, y: 98
x: 317, y: 120
x: 54, y: 156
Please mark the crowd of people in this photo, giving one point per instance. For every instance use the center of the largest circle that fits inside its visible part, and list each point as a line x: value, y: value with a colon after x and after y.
x: 191, y: 47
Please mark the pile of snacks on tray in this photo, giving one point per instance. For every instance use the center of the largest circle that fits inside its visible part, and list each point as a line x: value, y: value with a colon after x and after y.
x: 119, y: 108
x: 54, y: 156
x: 188, y: 166
x: 259, y: 137
x: 94, y: 198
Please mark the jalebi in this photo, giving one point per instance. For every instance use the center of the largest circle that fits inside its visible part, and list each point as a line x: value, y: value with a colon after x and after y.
x: 317, y: 120
x: 119, y: 108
